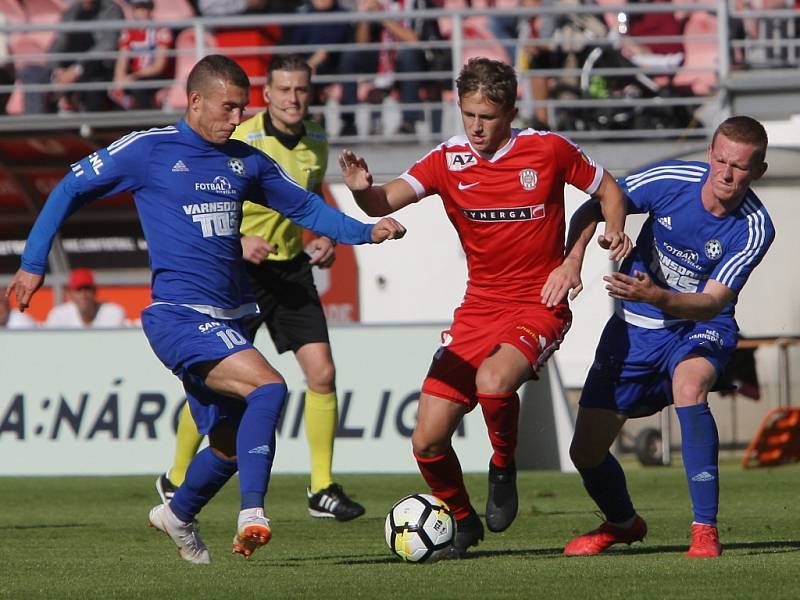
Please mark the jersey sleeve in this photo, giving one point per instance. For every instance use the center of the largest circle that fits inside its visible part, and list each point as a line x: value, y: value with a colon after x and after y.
x: 748, y: 249
x: 277, y: 190
x: 578, y: 168
x: 423, y: 176
x: 99, y: 175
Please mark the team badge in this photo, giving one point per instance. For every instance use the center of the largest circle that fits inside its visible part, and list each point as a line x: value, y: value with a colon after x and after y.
x: 713, y: 249
x: 236, y: 165
x: 528, y: 178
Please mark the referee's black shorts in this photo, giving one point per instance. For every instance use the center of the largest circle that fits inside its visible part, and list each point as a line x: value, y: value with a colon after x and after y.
x: 289, y: 303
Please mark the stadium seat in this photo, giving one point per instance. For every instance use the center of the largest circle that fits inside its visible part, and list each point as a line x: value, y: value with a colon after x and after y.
x: 698, y: 54
x: 172, y: 10
x: 255, y: 65
x: 777, y: 441
x: 185, y: 45
x: 44, y: 11
x: 475, y: 30
x: 12, y: 11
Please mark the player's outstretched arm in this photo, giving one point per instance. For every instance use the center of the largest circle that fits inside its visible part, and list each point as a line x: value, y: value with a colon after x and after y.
x: 375, y: 200
x: 614, y: 207
x: 639, y: 287
x: 24, y: 286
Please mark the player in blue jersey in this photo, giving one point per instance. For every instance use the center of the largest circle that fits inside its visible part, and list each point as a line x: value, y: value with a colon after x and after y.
x: 673, y: 330
x: 189, y: 182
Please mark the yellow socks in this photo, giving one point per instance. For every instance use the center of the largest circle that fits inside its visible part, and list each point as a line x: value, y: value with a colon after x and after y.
x: 187, y: 441
x: 321, y: 418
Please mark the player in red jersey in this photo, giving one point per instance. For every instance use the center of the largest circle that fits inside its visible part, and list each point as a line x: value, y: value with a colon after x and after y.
x: 503, y: 190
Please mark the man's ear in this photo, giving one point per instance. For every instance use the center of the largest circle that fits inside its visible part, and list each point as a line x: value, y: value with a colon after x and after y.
x: 758, y: 172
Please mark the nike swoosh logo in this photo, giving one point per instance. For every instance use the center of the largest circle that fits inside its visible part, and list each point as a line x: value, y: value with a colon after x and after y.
x: 525, y: 341
x: 466, y: 186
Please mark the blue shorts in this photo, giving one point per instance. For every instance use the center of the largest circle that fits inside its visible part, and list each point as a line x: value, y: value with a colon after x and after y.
x: 181, y: 338
x: 633, y: 366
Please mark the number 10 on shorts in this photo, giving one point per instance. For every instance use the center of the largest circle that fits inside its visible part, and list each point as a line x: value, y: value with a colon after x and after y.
x: 231, y: 337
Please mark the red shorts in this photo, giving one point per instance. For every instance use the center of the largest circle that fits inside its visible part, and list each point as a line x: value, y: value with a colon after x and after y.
x: 478, y: 328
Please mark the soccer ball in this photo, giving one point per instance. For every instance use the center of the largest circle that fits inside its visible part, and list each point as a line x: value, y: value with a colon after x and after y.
x: 420, y: 528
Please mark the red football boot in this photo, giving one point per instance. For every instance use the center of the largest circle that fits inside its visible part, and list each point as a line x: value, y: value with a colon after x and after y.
x: 605, y: 536
x: 705, y: 542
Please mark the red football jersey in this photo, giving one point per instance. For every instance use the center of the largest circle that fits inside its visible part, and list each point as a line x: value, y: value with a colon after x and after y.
x: 508, y: 210
x: 142, y: 44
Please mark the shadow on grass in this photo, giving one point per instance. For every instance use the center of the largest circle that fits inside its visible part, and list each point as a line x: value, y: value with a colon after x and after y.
x: 753, y: 548
x: 48, y: 526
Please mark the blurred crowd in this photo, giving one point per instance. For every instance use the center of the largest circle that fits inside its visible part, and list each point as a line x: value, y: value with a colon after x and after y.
x: 82, y: 309
x: 145, y: 65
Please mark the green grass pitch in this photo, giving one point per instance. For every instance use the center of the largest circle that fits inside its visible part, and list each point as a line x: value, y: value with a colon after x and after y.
x: 87, y: 538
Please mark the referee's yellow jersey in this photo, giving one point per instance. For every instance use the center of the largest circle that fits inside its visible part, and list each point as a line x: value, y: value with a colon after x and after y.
x: 306, y: 163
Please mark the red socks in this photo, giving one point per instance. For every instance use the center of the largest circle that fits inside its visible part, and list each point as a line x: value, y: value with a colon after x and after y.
x: 444, y: 477
x: 501, y: 413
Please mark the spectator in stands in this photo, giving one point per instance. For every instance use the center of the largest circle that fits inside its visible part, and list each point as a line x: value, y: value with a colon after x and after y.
x: 218, y: 8
x: 11, y: 318
x: 653, y: 54
x: 386, y: 61
x: 143, y: 55
x: 83, y: 310
x: 320, y: 36
x: 6, y: 66
x: 505, y: 28
x: 65, y: 72
x: 534, y: 55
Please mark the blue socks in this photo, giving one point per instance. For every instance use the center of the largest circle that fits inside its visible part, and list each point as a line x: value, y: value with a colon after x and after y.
x: 700, y: 448
x: 206, y: 475
x: 255, y: 442
x: 606, y: 485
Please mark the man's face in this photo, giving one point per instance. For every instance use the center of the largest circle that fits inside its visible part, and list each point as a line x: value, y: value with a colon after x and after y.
x: 85, y: 298
x: 288, y: 96
x: 218, y: 110
x: 487, y: 125
x: 733, y: 168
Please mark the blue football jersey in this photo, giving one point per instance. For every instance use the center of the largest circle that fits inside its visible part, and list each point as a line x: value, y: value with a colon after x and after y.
x: 682, y: 245
x: 189, y: 193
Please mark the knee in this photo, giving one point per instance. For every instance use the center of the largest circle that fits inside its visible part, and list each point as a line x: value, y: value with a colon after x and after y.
x: 427, y: 446
x: 490, y: 380
x: 688, y: 393
x: 321, y: 379
x: 584, y: 456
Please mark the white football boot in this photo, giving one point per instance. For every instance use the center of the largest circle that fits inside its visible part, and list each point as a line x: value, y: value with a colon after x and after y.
x: 185, y: 535
x: 252, y: 531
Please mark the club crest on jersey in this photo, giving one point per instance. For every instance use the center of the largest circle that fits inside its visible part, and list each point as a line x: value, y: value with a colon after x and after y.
x: 519, y: 213
x: 713, y: 249
x: 458, y: 161
x: 236, y: 166
x: 528, y: 178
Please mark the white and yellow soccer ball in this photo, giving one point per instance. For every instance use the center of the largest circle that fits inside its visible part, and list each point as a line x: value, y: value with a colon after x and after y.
x: 420, y: 528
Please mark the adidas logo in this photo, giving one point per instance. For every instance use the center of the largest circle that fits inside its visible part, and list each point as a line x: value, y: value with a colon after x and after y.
x: 703, y: 476
x: 260, y: 450
x: 180, y: 166
x: 665, y: 221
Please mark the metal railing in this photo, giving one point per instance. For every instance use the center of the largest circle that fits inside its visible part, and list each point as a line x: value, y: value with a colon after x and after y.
x: 583, y: 114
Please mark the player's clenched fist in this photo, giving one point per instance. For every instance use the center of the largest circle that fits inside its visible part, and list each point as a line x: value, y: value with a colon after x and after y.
x: 618, y: 244
x: 387, y: 229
